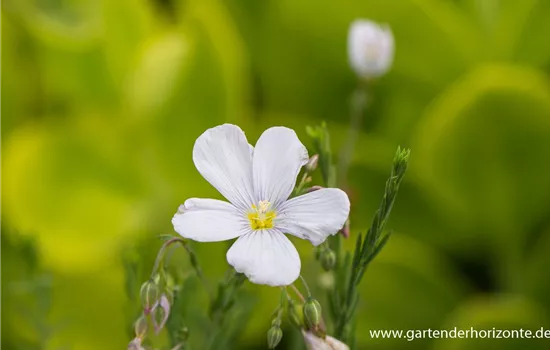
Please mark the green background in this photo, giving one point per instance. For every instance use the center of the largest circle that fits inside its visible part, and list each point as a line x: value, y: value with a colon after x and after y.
x: 102, y: 101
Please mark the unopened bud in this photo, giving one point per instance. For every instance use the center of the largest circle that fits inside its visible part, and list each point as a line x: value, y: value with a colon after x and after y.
x: 182, y: 334
x: 161, y: 312
x: 274, y: 336
x: 345, y: 230
x: 294, y: 315
x: 317, y: 252
x: 314, y: 342
x: 314, y: 188
x: 312, y: 313
x: 141, y: 327
x: 370, y: 48
x: 328, y: 259
x: 135, y: 344
x: 150, y: 294
x: 312, y: 163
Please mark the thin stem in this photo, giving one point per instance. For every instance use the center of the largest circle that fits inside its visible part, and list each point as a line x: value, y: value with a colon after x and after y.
x: 357, y: 110
x: 162, y: 252
x: 160, y: 255
x: 372, y: 243
x: 284, y: 294
x: 305, y: 285
x: 301, y: 184
x: 297, y: 291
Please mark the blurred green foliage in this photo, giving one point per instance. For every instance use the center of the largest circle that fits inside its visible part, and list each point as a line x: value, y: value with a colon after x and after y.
x: 102, y: 101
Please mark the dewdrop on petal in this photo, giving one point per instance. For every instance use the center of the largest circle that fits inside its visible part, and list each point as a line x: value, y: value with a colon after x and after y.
x: 370, y: 48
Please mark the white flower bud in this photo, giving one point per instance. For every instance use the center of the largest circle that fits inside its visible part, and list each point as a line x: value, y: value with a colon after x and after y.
x: 313, y: 342
x: 161, y: 312
x: 370, y: 48
x: 135, y: 344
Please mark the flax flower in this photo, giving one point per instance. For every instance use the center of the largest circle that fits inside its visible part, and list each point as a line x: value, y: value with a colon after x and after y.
x: 370, y: 48
x: 257, y: 182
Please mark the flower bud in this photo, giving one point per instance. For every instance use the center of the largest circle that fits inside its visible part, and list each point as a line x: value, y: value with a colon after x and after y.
x: 149, y: 293
x: 370, y: 48
x: 182, y: 334
x: 161, y: 312
x: 328, y: 259
x: 311, y: 164
x: 314, y: 342
x: 294, y: 315
x: 317, y: 251
x: 135, y: 344
x: 274, y: 336
x: 345, y: 230
x: 314, y: 188
x: 141, y: 327
x: 312, y: 313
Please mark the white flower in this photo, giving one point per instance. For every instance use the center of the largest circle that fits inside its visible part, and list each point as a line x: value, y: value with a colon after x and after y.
x: 370, y: 48
x: 313, y: 342
x: 257, y: 182
x: 135, y: 344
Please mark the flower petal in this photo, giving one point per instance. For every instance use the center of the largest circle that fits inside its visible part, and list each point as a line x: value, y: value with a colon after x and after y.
x: 315, y: 215
x: 265, y: 257
x: 370, y: 48
x: 223, y: 157
x: 278, y: 157
x: 313, y: 342
x: 209, y: 220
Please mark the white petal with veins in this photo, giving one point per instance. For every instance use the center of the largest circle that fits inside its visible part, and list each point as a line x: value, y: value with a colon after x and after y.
x: 314, y: 216
x: 278, y: 158
x: 209, y: 220
x: 265, y: 257
x: 224, y: 158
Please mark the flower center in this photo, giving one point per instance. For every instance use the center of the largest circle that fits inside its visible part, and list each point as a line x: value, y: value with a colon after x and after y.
x: 261, y: 216
x: 372, y: 53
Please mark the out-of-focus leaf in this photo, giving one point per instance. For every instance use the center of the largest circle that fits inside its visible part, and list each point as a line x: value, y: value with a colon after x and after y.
x: 408, y: 286
x: 500, y: 313
x: 161, y: 64
x: 494, y: 183
x: 314, y: 63
x: 61, y: 186
x: 126, y: 25
x: 66, y: 24
x: 536, y: 283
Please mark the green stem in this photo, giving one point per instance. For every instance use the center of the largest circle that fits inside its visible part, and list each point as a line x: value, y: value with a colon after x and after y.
x: 162, y: 251
x: 373, y: 242
x: 359, y: 99
x: 305, y: 286
x: 192, y: 257
x: 297, y: 291
x: 298, y: 190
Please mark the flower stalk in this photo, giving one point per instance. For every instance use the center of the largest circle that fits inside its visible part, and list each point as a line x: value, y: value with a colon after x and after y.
x: 348, y: 268
x: 358, y: 105
x: 367, y: 248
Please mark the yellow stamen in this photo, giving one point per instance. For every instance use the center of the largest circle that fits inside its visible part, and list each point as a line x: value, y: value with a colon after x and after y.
x: 261, y: 218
